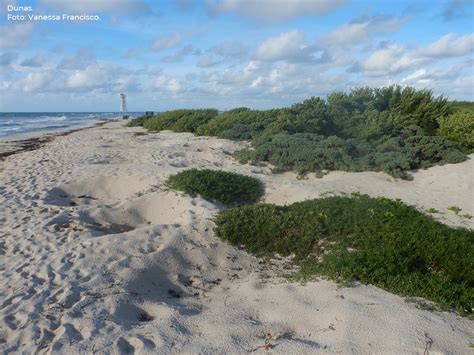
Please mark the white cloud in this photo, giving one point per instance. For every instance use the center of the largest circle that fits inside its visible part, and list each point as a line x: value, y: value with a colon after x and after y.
x: 449, y: 46
x: 8, y: 58
x: 274, y: 10
x: 80, y: 60
x: 36, y: 81
x: 362, y: 29
x: 224, y: 53
x: 16, y: 34
x: 90, y: 6
x: 179, y: 55
x: 165, y: 42
x: 286, y: 46
x: 36, y: 61
x: 132, y: 52
x: 389, y: 60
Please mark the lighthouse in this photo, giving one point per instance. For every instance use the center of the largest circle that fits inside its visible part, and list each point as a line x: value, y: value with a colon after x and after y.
x: 123, y: 107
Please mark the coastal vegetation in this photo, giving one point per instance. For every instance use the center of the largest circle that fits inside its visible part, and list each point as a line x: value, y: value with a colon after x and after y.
x: 227, y: 188
x: 358, y: 238
x: 390, y: 129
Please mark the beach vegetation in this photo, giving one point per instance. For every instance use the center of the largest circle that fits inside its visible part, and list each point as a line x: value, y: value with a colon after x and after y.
x: 138, y: 121
x: 454, y: 209
x: 358, y: 238
x: 459, y: 128
x: 227, y: 188
x: 390, y: 129
x: 179, y: 120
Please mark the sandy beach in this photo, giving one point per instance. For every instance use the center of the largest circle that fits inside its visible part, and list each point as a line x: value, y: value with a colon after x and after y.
x: 98, y: 256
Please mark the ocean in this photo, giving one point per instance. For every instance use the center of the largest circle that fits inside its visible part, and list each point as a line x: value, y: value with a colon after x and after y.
x: 15, y: 123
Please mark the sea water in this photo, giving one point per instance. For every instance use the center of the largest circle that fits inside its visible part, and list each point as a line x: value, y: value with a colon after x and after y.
x: 15, y: 123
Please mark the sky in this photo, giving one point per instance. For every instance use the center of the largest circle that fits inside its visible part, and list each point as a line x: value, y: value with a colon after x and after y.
x: 227, y: 53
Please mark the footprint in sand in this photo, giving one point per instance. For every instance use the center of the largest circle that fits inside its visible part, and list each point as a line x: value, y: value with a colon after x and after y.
x: 16, y: 321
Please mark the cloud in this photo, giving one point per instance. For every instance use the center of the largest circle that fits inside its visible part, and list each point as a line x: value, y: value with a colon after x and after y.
x: 185, y: 5
x: 8, y: 58
x: 456, y: 10
x: 37, y: 61
x: 225, y: 52
x: 361, y: 30
x: 132, y: 7
x: 391, y: 59
x: 100, y: 77
x: 286, y: 46
x: 16, y: 34
x: 449, y: 46
x: 166, y: 83
x: 80, y: 60
x: 179, y: 55
x: 132, y: 52
x: 36, y: 81
x: 165, y: 42
x: 273, y: 10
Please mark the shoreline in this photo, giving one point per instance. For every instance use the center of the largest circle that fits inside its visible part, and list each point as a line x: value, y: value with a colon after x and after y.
x: 99, y: 255
x: 23, y: 142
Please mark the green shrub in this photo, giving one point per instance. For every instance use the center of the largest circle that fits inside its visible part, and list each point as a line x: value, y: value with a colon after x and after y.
x: 388, y: 129
x: 371, y: 240
x: 180, y: 120
x: 240, y: 123
x: 306, y: 152
x: 220, y: 186
x: 459, y: 128
x: 138, y: 121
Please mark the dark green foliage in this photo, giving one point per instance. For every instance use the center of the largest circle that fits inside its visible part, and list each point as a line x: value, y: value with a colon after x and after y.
x: 463, y: 105
x: 240, y: 123
x: 220, y: 186
x: 305, y: 152
x: 138, y: 122
x: 459, y: 128
x: 180, y: 120
x: 372, y: 240
x: 389, y: 129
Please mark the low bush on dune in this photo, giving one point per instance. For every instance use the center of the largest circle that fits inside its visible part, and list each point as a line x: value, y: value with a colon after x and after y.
x: 306, y: 152
x: 138, y: 121
x: 218, y: 186
x: 371, y: 240
x: 459, y: 128
x: 180, y: 120
x: 390, y: 129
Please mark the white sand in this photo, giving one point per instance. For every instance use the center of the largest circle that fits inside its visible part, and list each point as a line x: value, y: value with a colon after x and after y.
x: 133, y: 267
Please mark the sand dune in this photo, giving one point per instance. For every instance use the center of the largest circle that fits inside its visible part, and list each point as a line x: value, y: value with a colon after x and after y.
x: 99, y: 256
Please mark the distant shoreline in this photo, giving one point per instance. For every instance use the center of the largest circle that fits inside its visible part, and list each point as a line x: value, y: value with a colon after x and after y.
x: 23, y: 142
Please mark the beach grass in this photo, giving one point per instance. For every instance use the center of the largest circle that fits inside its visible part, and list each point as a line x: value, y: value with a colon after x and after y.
x: 375, y: 241
x: 228, y: 188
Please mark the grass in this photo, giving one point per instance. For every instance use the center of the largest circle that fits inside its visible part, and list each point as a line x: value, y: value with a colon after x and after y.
x: 358, y: 238
x: 230, y: 189
x: 455, y: 209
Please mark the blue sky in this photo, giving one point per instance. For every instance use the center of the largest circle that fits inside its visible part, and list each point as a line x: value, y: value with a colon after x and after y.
x: 228, y: 53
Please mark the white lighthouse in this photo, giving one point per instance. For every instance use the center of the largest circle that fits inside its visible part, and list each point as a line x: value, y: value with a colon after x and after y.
x: 123, y: 107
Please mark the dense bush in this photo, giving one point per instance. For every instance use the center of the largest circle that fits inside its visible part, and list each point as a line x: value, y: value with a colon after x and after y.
x: 180, y: 120
x: 391, y: 129
x: 138, y: 122
x: 305, y: 152
x: 239, y: 123
x: 372, y: 240
x: 459, y: 128
x: 220, y: 186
